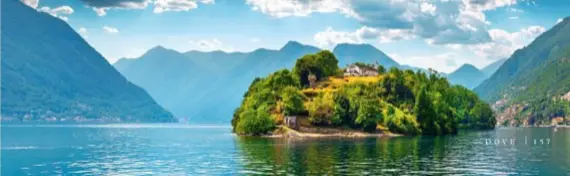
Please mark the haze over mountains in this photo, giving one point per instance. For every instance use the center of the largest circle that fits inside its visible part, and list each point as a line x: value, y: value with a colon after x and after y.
x: 467, y: 75
x: 205, y: 86
x: 48, y: 70
x: 470, y: 77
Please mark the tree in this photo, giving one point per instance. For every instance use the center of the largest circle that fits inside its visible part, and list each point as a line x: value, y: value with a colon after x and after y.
x: 369, y: 113
x: 255, y: 121
x: 292, y: 101
x: 425, y: 113
x: 482, y: 116
x: 281, y: 79
x: 321, y: 110
x: 381, y: 69
x: 322, y: 64
x: 328, y: 62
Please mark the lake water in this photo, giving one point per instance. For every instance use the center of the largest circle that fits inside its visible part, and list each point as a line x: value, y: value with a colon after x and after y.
x: 210, y: 150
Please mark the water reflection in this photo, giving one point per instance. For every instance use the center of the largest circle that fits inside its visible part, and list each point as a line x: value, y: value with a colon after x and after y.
x: 215, y: 151
x: 465, y: 153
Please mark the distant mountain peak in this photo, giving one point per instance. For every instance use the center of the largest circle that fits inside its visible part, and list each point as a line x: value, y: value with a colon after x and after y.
x: 467, y: 75
x: 349, y: 53
x: 296, y: 46
x: 158, y: 48
x: 468, y: 67
x: 344, y: 46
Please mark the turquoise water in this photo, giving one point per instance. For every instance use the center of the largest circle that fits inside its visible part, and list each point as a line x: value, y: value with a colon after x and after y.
x: 212, y: 150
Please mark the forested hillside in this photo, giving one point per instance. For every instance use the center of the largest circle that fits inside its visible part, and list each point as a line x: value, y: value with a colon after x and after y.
x: 48, y: 71
x: 534, y: 77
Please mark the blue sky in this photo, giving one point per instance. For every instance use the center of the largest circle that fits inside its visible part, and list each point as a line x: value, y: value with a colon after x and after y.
x: 439, y: 34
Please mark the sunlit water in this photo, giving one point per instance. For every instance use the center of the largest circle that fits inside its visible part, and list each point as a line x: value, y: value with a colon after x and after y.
x: 212, y: 150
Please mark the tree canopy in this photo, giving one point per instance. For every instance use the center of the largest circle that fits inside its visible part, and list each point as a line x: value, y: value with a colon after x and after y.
x: 400, y: 101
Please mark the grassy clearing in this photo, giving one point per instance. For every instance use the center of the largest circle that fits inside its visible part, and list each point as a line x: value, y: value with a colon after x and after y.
x: 331, y: 84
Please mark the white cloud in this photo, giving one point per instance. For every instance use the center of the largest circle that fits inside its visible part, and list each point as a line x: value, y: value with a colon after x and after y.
x: 82, y: 30
x: 210, y: 45
x: 101, y: 6
x: 559, y: 20
x: 110, y: 30
x: 516, y: 10
x: 503, y: 43
x: 514, y: 18
x: 178, y: 5
x: 285, y: 8
x: 100, y: 11
x: 330, y: 38
x: 31, y: 3
x: 62, y: 11
x: 428, y: 8
x: 443, y: 22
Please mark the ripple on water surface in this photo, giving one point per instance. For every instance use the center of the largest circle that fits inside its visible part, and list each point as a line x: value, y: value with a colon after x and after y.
x: 136, y: 149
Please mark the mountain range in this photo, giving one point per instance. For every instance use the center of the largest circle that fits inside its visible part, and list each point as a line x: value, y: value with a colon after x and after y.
x: 204, y: 87
x: 48, y: 70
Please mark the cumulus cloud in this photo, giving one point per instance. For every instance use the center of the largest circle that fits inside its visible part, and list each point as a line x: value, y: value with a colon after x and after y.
x: 330, y: 38
x: 210, y: 45
x: 110, y: 30
x: 31, y: 3
x: 62, y: 12
x: 101, y: 6
x: 559, y: 20
x: 285, y: 8
x: 442, y: 22
x: 504, y: 43
x: 177, y: 5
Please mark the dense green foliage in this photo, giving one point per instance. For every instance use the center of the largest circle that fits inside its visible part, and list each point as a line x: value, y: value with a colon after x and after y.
x: 322, y: 64
x: 398, y: 101
x: 535, y: 77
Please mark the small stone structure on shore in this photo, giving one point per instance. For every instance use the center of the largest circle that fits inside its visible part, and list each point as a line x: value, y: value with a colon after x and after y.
x: 291, y: 122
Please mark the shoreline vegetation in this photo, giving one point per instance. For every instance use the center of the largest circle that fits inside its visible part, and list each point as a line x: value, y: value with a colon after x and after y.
x: 359, y: 100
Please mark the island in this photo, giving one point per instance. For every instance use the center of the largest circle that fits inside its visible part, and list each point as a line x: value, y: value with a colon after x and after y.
x: 318, y: 98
